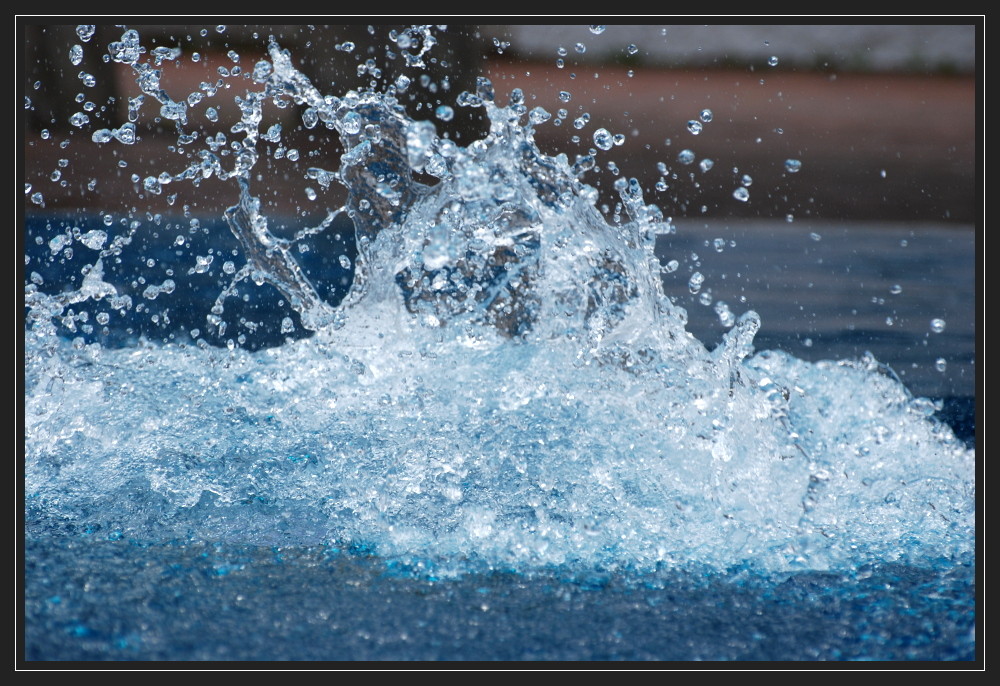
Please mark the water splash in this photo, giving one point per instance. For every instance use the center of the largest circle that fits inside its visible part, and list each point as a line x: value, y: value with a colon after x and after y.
x: 505, y: 386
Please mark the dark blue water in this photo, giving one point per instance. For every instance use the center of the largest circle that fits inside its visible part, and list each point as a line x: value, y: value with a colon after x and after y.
x: 88, y: 599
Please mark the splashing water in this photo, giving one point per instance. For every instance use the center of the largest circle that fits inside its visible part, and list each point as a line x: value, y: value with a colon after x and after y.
x: 506, y: 386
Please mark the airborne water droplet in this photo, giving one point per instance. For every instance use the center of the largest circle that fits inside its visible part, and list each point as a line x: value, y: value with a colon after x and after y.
x: 937, y: 325
x: 85, y: 31
x: 741, y: 194
x: 76, y: 55
x: 603, y: 139
x: 695, y: 282
x: 597, y: 28
x: 694, y: 126
x: 940, y: 364
x: 685, y: 157
x: 773, y: 61
x: 792, y: 166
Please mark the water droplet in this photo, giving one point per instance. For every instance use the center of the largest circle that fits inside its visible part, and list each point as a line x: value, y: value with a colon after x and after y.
x: 85, y: 31
x: 603, y: 139
x: 580, y: 48
x: 632, y: 49
x: 882, y: 173
x: 685, y: 157
x: 538, y: 115
x: 443, y: 112
x: 694, y: 126
x: 719, y: 243
x: 94, y: 239
x: 896, y: 289
x: 619, y: 139
x: 564, y: 96
x: 55, y: 175
x: 772, y: 60
x: 706, y: 164
x: 221, y: 28
x: 741, y: 194
x: 287, y: 326
x: 79, y: 119
x: 746, y: 180
x: 310, y: 193
x: 940, y: 364
x: 815, y: 236
x: 793, y: 166
x: 726, y: 317
x: 695, y: 282
x: 125, y: 134
x: 76, y: 55
x: 937, y: 325
x: 345, y: 261
x: 671, y: 266
x: 597, y: 28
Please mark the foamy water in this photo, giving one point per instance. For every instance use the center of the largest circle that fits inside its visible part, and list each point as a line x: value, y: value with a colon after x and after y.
x: 506, y: 386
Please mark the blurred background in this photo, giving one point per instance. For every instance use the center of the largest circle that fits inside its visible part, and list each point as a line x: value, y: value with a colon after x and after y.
x: 853, y: 150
